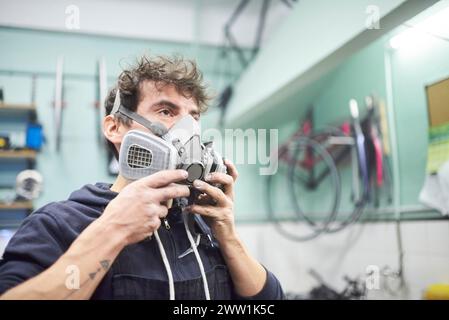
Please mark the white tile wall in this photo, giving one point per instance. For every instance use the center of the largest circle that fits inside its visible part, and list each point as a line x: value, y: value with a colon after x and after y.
x: 438, y: 238
x: 426, y: 259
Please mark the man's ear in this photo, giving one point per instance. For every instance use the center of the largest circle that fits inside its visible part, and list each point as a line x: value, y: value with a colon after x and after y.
x: 113, y: 130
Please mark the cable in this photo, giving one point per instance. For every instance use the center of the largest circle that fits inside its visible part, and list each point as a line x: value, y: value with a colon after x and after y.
x: 353, y: 218
x: 362, y: 165
x: 316, y: 231
x: 171, y: 283
x: 326, y: 227
x: 197, y: 256
x: 334, y: 175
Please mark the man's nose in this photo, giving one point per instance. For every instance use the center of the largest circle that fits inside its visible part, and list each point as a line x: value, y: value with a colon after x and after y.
x: 175, y: 119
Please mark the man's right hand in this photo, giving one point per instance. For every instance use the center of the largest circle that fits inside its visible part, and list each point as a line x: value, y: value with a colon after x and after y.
x: 137, y: 210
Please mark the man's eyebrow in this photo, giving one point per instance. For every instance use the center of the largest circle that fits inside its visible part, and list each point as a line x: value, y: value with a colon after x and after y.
x: 173, y: 106
x: 166, y: 103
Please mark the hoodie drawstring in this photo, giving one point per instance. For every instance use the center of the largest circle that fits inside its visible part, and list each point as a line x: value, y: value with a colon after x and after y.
x: 171, y: 283
x: 197, y: 255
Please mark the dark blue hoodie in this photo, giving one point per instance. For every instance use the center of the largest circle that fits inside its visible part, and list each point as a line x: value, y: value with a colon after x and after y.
x: 138, y: 272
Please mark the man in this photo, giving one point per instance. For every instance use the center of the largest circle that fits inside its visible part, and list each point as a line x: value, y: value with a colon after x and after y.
x: 99, y: 243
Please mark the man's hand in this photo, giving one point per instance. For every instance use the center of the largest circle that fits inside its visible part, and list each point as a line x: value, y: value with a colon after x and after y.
x: 136, y: 212
x: 217, y: 205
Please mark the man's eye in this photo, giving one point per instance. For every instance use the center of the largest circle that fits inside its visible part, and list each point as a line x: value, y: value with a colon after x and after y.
x: 165, y: 112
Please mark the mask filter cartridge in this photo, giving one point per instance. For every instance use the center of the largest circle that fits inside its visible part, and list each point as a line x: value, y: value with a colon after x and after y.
x: 143, y: 154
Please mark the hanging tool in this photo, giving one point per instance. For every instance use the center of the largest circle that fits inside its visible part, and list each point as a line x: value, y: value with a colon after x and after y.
x: 360, y: 147
x: 102, y: 91
x: 374, y: 144
x: 58, y: 103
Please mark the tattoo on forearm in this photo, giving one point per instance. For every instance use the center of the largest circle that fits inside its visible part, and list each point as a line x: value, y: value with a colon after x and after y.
x: 105, y: 264
x: 93, y: 274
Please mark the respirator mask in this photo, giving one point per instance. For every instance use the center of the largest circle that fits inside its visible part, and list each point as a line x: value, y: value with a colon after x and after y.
x: 142, y: 154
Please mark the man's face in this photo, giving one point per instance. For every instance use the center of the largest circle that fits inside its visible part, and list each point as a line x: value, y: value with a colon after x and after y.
x: 157, y: 104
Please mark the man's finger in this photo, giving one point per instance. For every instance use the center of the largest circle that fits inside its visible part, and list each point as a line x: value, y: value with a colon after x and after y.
x: 207, y: 211
x: 232, y: 170
x: 162, y: 211
x: 158, y: 210
x: 163, y: 178
x: 214, y: 192
x: 224, y: 179
x: 204, y: 199
x: 170, y: 192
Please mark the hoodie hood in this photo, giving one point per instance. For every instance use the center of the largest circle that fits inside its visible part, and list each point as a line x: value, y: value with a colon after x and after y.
x: 94, y: 196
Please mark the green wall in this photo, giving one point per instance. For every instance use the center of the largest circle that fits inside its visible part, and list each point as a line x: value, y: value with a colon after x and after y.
x: 82, y: 159
x: 362, y: 74
x: 413, y: 69
x: 313, y: 30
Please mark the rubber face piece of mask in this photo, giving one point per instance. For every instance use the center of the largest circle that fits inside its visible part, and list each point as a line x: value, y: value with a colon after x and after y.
x: 185, y: 129
x: 142, y: 154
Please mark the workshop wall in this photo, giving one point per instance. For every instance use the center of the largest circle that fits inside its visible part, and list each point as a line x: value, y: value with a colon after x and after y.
x: 307, y: 36
x: 359, y: 76
x: 367, y: 245
x: 82, y: 158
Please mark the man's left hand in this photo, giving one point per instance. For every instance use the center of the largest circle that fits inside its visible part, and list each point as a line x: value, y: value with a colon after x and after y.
x: 216, y: 205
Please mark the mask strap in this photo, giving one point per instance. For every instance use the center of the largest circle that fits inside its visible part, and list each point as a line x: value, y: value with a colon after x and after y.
x: 156, y: 127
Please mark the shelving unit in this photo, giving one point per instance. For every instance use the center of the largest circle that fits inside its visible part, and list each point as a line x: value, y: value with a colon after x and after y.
x: 8, y: 110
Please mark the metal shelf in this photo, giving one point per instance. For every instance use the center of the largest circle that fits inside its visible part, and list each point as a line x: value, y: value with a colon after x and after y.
x: 16, y: 106
x: 11, y: 109
x: 18, y: 154
x: 17, y: 205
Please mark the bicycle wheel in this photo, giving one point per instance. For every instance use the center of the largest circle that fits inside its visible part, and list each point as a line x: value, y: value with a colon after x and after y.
x: 339, y: 224
x: 314, y: 229
x: 325, y: 160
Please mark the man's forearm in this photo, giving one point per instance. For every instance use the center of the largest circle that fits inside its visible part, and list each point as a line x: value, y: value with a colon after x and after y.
x: 247, y: 274
x: 77, y: 273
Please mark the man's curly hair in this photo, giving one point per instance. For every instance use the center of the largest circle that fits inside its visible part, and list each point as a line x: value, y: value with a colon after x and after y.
x: 174, y: 70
